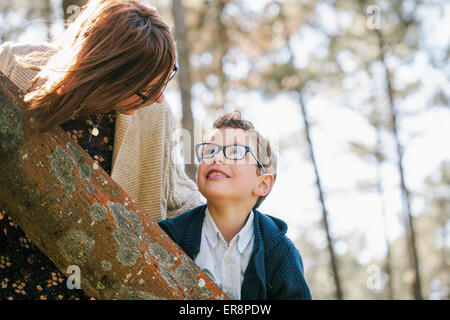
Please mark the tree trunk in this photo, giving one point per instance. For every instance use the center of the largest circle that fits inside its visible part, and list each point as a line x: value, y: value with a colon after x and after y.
x: 185, y: 84
x: 77, y: 215
x: 408, y: 218
x: 325, y: 223
x: 47, y: 13
x: 221, y: 50
x: 380, y: 191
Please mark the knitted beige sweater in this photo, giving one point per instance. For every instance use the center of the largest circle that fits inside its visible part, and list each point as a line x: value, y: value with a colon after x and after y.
x: 144, y: 156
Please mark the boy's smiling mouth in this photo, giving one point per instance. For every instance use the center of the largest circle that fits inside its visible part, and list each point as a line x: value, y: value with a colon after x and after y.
x: 216, y: 174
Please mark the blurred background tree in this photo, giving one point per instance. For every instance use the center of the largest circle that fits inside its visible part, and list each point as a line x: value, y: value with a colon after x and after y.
x: 355, y: 97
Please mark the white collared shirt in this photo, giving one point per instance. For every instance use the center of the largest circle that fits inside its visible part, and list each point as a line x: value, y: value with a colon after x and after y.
x: 225, y: 263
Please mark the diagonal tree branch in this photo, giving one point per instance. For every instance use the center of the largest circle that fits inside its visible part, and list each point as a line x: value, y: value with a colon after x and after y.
x: 77, y: 215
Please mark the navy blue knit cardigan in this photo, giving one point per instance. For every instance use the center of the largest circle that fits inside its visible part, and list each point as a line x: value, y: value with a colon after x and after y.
x: 275, y: 269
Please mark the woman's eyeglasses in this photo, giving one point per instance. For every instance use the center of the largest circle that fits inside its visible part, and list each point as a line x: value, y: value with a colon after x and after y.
x: 208, y: 150
x: 145, y: 98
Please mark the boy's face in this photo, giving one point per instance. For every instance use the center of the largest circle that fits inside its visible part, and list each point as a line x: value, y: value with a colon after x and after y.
x: 220, y: 178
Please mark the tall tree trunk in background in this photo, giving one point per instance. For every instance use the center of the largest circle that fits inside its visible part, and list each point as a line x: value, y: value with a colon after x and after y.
x: 379, y: 185
x: 47, y: 14
x: 222, y: 47
x: 334, y: 265
x: 185, y: 84
x: 71, y: 8
x: 408, y: 218
x: 443, y: 218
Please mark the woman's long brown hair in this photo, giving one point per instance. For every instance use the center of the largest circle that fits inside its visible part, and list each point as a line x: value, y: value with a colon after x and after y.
x: 111, y: 50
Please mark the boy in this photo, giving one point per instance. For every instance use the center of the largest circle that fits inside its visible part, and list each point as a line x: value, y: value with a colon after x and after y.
x: 244, y: 251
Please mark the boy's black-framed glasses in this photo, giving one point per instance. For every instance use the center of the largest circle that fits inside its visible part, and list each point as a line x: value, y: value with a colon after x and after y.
x: 207, y: 150
x: 145, y: 98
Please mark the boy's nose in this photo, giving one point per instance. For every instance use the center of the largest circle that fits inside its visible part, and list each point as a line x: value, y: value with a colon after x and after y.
x: 218, y: 158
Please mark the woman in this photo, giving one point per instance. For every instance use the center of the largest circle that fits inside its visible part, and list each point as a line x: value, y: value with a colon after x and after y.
x: 103, y: 83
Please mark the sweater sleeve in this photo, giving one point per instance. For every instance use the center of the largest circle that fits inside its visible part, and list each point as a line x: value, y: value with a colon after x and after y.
x: 8, y: 66
x: 289, y: 282
x: 183, y: 192
x: 5, y: 58
x: 37, y: 55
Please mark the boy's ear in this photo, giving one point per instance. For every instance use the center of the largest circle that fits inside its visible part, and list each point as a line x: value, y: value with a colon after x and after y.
x: 265, y: 184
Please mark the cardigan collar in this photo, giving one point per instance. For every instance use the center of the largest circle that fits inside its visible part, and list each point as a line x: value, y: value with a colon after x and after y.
x: 256, y: 271
x: 268, y: 232
x: 193, y: 233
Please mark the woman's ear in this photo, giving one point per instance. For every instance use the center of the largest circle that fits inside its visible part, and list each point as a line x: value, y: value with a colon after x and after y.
x: 264, y: 185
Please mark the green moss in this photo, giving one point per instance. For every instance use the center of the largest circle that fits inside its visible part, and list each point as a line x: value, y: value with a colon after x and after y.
x: 106, y: 265
x: 76, y: 246
x: 129, y: 228
x: 11, y: 126
x: 98, y: 212
x: 79, y: 161
x: 62, y: 169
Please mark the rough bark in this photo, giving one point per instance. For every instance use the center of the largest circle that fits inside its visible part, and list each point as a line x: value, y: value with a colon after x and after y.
x: 77, y: 215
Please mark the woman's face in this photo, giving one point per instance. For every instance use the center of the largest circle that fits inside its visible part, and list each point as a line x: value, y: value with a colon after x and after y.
x: 136, y: 99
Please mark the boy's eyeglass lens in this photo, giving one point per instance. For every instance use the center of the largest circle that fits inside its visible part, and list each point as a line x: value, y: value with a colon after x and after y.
x: 233, y: 152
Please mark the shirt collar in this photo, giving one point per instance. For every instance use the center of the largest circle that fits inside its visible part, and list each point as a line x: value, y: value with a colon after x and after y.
x: 213, y: 234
